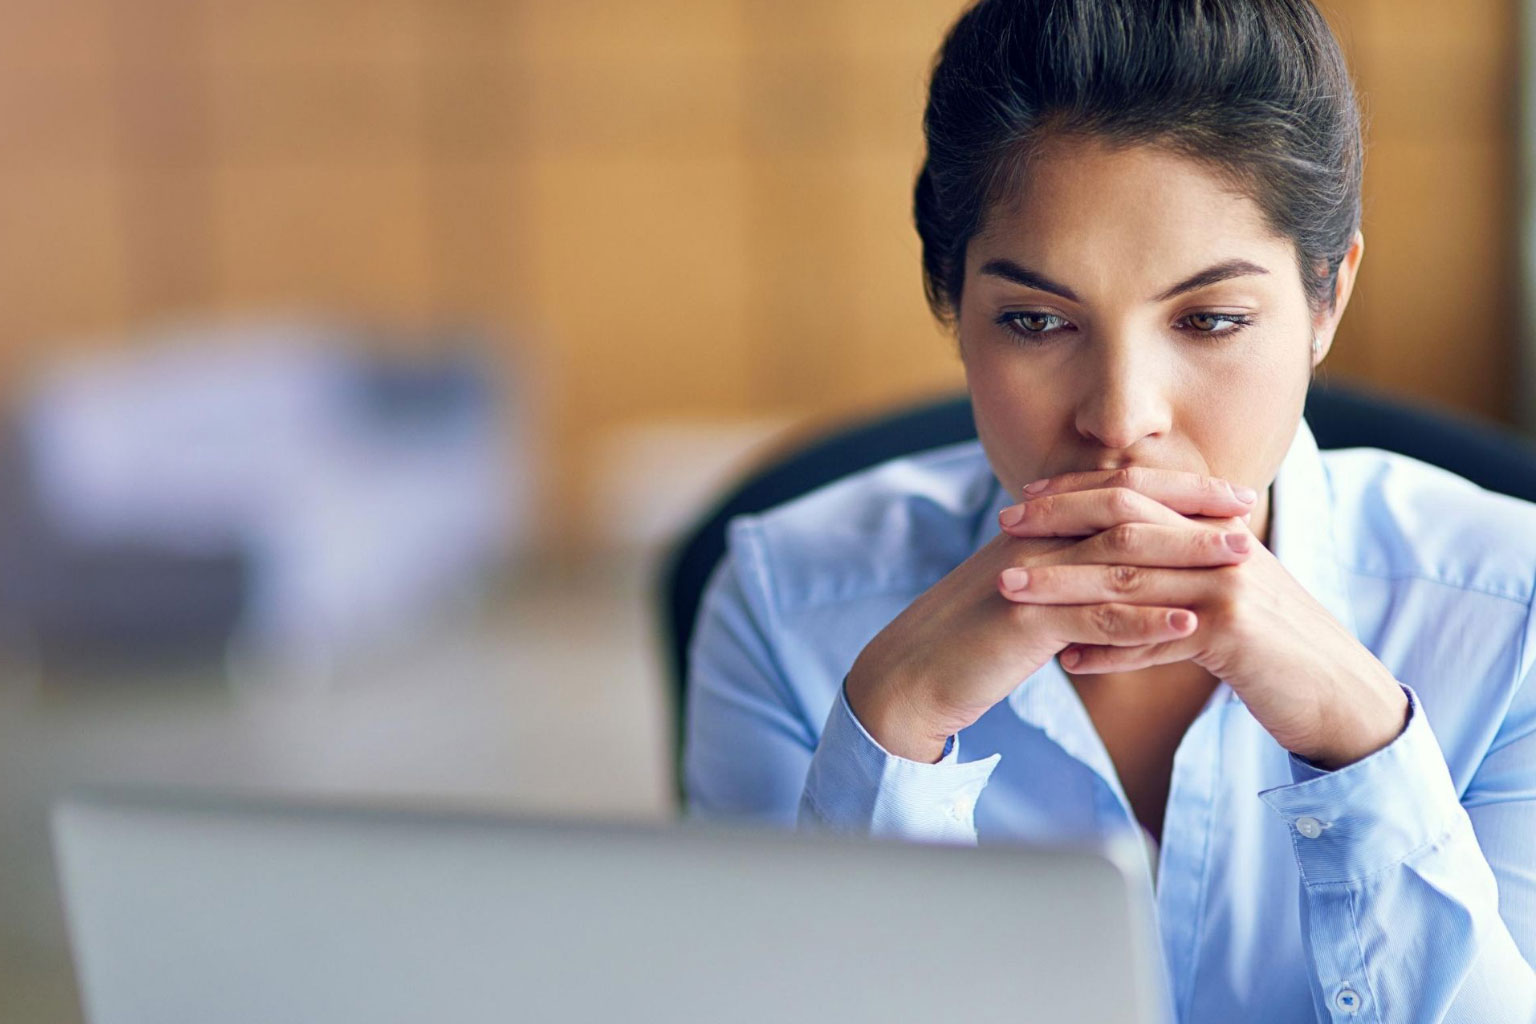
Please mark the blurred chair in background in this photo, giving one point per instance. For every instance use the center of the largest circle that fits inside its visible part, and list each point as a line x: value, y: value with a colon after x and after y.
x: 1339, y: 416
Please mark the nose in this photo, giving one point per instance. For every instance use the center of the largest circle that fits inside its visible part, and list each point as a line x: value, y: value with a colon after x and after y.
x: 1125, y: 396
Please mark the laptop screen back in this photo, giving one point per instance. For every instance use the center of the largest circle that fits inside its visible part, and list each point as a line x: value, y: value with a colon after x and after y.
x: 211, y: 910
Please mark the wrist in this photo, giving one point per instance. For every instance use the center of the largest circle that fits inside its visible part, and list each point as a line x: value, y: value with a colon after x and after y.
x: 894, y: 720
x: 1363, y: 731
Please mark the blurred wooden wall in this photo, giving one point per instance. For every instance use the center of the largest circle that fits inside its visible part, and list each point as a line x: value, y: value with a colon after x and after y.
x: 676, y: 208
x: 1436, y: 308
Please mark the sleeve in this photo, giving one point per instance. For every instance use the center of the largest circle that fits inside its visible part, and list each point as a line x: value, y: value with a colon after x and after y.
x: 747, y: 746
x: 855, y: 785
x: 1416, y: 904
x: 750, y: 752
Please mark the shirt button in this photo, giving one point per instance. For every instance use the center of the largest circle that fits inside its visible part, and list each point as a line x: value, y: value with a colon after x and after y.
x: 1347, y: 1000
x: 1309, y: 827
x: 959, y: 809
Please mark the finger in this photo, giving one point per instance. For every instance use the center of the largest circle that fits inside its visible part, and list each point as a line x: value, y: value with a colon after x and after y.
x: 1083, y: 513
x: 1094, y: 584
x: 1184, y: 492
x: 1112, y: 623
x: 1152, y: 544
x: 1092, y: 659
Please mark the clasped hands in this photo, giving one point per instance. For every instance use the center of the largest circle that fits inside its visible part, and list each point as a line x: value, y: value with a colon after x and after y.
x: 1115, y: 571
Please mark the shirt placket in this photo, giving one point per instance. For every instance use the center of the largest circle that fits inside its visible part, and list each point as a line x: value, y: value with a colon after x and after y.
x: 1184, y: 857
x: 1048, y: 702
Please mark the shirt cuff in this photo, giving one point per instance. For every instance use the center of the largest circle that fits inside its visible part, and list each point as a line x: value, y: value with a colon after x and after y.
x: 855, y: 785
x: 1356, y: 820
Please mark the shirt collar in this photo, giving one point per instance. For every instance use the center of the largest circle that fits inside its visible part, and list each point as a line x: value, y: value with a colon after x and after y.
x: 1301, y: 526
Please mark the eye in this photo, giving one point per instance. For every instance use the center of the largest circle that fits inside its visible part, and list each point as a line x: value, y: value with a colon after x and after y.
x: 1031, y: 326
x: 1210, y: 323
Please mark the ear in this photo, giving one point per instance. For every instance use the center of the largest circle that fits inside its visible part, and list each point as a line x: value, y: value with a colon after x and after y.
x: 1326, y: 322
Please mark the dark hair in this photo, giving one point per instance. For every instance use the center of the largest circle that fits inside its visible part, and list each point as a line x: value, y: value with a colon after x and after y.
x: 1255, y: 89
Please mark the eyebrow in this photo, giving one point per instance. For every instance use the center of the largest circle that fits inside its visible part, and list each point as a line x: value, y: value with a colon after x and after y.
x: 1011, y: 271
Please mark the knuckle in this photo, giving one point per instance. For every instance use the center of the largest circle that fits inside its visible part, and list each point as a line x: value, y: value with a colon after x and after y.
x: 1125, y: 579
x: 1222, y: 614
x: 1123, y: 477
x: 1221, y: 605
x: 1123, y: 539
x: 1108, y: 620
x: 1123, y: 502
x: 1231, y: 593
x: 1036, y: 621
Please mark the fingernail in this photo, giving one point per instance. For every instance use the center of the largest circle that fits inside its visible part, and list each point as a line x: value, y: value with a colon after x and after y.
x: 1239, y: 542
x: 1037, y: 486
x: 1015, y: 579
x: 1180, y: 620
x: 1010, y: 516
x: 1070, y: 657
x: 1247, y: 494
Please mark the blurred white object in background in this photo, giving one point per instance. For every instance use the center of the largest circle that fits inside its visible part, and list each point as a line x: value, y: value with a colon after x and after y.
x: 361, y: 492
x: 653, y: 480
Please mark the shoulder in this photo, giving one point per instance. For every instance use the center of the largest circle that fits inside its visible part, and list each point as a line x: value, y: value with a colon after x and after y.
x: 1399, y: 518
x: 892, y: 527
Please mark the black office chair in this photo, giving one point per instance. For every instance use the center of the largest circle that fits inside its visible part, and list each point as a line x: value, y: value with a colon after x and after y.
x: 1340, y: 417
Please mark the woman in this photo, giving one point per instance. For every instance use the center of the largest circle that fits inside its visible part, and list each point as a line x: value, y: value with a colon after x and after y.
x: 1145, y: 598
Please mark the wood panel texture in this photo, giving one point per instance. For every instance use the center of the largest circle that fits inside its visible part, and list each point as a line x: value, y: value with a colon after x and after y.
x: 678, y: 208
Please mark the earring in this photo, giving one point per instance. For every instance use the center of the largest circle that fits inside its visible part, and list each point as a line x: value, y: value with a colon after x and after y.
x: 1317, y: 346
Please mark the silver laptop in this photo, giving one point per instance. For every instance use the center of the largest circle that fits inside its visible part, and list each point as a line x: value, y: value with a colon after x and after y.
x: 224, y: 910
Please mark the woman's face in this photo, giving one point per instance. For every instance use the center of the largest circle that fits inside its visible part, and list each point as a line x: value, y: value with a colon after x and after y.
x: 1129, y: 308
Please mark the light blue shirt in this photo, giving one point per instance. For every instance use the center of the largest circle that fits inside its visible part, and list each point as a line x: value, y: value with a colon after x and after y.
x: 1401, y: 888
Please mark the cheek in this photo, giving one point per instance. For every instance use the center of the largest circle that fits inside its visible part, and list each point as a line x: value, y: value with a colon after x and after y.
x: 1015, y: 420
x: 1255, y: 379
x: 1243, y: 415
x: 1005, y: 392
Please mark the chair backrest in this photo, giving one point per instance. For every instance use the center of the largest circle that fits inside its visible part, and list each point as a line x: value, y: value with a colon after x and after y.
x: 1340, y: 417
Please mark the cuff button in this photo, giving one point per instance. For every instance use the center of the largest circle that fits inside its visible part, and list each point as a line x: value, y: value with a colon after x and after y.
x: 1347, y: 1000
x: 1309, y: 827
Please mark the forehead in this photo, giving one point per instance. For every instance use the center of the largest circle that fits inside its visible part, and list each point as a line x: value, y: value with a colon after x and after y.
x: 1081, y: 201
